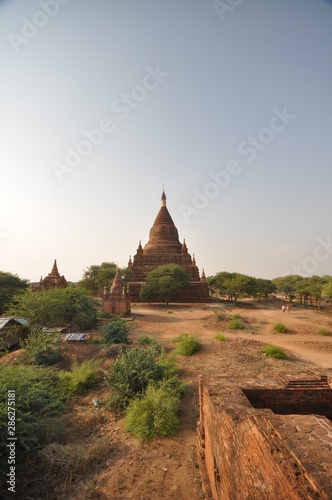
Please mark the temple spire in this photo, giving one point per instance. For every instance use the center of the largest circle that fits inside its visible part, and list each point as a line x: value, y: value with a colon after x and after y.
x: 54, y: 271
x: 163, y: 199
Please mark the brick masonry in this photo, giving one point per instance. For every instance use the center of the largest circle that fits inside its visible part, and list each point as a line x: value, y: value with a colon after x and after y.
x: 254, y: 444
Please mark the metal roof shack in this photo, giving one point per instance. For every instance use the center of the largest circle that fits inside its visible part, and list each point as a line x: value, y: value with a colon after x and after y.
x: 12, y: 330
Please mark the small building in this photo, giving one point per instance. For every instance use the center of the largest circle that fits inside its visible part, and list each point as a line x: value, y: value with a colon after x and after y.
x: 52, y: 280
x: 117, y: 300
x: 12, y: 330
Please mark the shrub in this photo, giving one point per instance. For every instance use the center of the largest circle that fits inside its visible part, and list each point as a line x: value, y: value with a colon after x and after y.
x: 280, y: 328
x: 188, y: 344
x: 220, y: 337
x: 81, y: 377
x: 235, y: 324
x: 116, y: 332
x: 38, y: 400
x: 42, y: 348
x: 130, y: 375
x: 324, y: 332
x: 220, y: 313
x: 274, y: 352
x: 169, y: 311
x: 155, y: 414
x: 146, y: 340
x: 234, y: 316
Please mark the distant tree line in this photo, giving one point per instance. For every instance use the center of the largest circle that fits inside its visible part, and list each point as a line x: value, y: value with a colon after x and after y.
x: 312, y: 290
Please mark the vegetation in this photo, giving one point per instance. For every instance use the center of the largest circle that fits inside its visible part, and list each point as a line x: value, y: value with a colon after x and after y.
x: 220, y: 337
x: 116, y: 332
x: 235, y: 324
x: 236, y: 285
x: 154, y: 414
x: 10, y: 284
x: 234, y: 316
x: 188, y: 345
x: 146, y: 340
x: 221, y: 314
x: 130, y: 375
x: 324, y: 332
x: 274, y: 352
x: 95, y: 278
x: 55, y: 307
x: 163, y: 282
x: 280, y: 328
x: 311, y: 290
x: 42, y: 348
x: 80, y: 377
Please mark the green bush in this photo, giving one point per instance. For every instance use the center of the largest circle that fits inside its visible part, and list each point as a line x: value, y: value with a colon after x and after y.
x: 130, y: 374
x: 234, y: 316
x: 220, y: 313
x: 42, y: 348
x: 146, y: 340
x: 274, y: 352
x: 116, y: 332
x: 280, y: 328
x: 235, y: 324
x: 80, y: 377
x: 154, y: 414
x: 324, y: 332
x: 38, y: 400
x: 220, y: 337
x: 188, y: 344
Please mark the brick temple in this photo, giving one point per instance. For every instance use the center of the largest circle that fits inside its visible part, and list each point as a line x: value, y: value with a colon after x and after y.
x: 163, y: 248
x: 116, y: 300
x: 52, y: 280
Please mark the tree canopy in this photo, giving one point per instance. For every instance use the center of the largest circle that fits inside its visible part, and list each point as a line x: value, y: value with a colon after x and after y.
x: 235, y: 285
x: 9, y: 285
x: 96, y: 277
x: 55, y: 307
x: 163, y: 282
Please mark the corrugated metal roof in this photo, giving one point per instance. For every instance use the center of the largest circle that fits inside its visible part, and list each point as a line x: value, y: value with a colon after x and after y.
x: 5, y: 320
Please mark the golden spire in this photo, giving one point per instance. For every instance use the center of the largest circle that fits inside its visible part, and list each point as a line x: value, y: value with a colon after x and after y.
x: 163, y: 199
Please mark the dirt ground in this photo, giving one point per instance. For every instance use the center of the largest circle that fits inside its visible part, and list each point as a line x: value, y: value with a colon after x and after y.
x: 167, y: 468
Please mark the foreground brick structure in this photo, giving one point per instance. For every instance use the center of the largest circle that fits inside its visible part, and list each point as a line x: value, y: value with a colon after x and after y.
x: 162, y: 248
x: 116, y: 301
x: 269, y: 439
x: 52, y: 280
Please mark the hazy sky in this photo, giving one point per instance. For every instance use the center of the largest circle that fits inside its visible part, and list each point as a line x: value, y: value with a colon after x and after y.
x: 228, y: 103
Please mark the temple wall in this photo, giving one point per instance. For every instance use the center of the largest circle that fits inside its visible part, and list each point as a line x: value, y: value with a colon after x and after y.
x: 249, y: 453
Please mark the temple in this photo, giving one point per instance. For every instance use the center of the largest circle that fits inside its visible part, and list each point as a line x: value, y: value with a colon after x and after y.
x: 51, y: 281
x: 163, y: 248
x: 116, y: 300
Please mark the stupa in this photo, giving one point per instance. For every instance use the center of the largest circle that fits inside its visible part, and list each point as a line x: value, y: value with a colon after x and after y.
x: 52, y: 280
x: 163, y: 248
x: 116, y: 300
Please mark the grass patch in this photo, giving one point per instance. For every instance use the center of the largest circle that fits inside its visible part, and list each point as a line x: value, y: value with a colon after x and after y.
x: 146, y: 340
x: 234, y: 316
x: 220, y: 337
x: 235, y: 324
x: 154, y: 414
x: 221, y: 314
x: 274, y: 352
x: 280, y: 328
x: 169, y: 311
x: 324, y: 332
x: 80, y: 377
x: 188, y: 345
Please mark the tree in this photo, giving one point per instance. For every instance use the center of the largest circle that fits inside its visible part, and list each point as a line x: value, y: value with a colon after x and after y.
x: 96, y: 277
x: 9, y: 285
x: 164, y: 281
x: 55, y: 307
x: 327, y: 291
x: 264, y: 287
x: 288, y: 285
x: 234, y: 284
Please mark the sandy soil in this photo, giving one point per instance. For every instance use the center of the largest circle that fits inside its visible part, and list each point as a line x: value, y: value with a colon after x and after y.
x: 167, y: 468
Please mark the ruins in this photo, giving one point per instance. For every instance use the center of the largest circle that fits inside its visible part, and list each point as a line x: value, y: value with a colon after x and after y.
x: 52, y: 280
x: 266, y: 439
x: 163, y: 248
x: 116, y: 300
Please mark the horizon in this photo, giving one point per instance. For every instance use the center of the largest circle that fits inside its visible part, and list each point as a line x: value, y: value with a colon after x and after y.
x: 229, y: 108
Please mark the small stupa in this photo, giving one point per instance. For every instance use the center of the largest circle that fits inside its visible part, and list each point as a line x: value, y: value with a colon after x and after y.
x: 116, y: 300
x: 52, y: 280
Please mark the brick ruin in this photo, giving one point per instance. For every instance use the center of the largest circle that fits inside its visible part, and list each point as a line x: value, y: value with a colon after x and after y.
x: 116, y: 300
x: 163, y: 248
x: 266, y: 439
x: 52, y: 280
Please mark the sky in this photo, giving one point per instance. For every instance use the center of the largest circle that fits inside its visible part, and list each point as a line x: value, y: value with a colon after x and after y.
x: 225, y: 102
